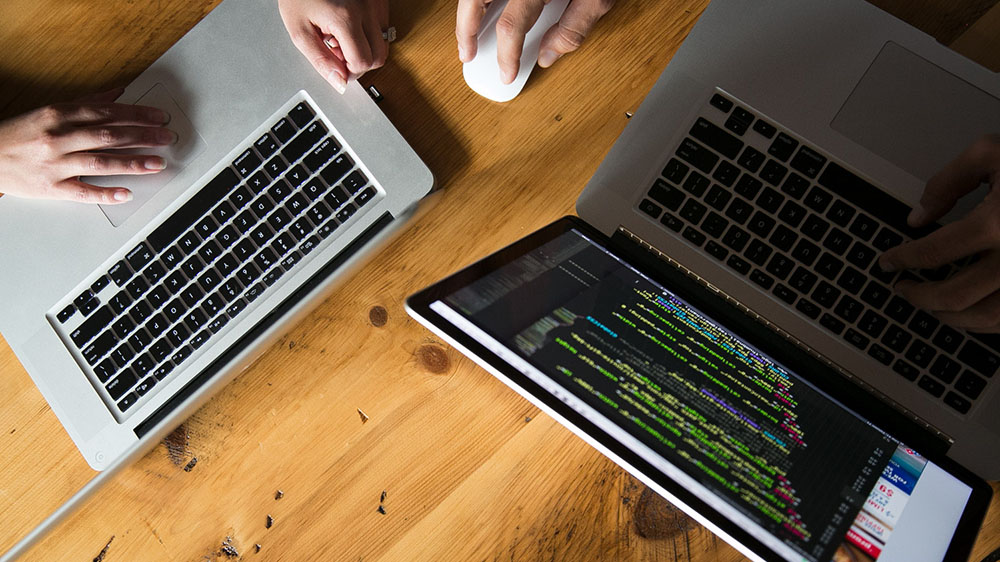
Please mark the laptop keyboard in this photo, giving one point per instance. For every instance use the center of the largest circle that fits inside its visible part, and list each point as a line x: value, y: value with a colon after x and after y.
x: 254, y: 222
x: 808, y: 231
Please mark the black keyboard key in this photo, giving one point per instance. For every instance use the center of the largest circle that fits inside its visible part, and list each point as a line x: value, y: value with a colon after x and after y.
x: 887, y: 239
x: 695, y: 184
x: 896, y: 338
x: 337, y: 197
x: 840, y: 213
x: 279, y: 218
x: 300, y: 229
x: 184, y: 217
x: 121, y: 384
x: 923, y: 324
x: 852, y: 280
x: 668, y: 220
x: 808, y: 161
x: 348, y: 210
x: 948, y: 339
x: 304, y: 141
x: 713, y: 249
x: 979, y: 358
x: 177, y: 336
x: 856, y: 339
x: 275, y: 167
x: 193, y: 266
x: 795, y: 186
x: 161, y: 349
x: 826, y: 294
x: 675, y: 171
x: 784, y: 293
x: 321, y: 154
x: 945, y: 368
x: 932, y: 386
x: 100, y: 284
x: 861, y: 255
x: 878, y: 273
x: 751, y: 159
x: 875, y: 295
x: 898, y: 309
x: 818, y: 199
x: 784, y: 238
x: 716, y: 138
x: 736, y: 238
x: 189, y: 242
x: 83, y: 298
x: 739, y: 120
x: 864, y: 227
x: 283, y: 130
x: 815, y: 227
x: 314, y: 189
x: 761, y: 224
x: 337, y: 169
x: 236, y: 307
x: 832, y: 324
x: 739, y: 210
x: 920, y: 354
x: 309, y: 244
x: 661, y: 192
x: 246, y: 163
x: 354, y: 181
x: 283, y: 244
x: 262, y: 234
x: 175, y: 309
x: 715, y: 225
x: 970, y: 384
x: 803, y: 280
x: 782, y: 147
x: 175, y: 281
x: 909, y: 372
x: 144, y: 386
x: 99, y: 347
x: 837, y: 241
x: 137, y: 287
x: 770, y: 200
x: 726, y: 173
x: 296, y: 204
x: 872, y: 323
x: 881, y: 354
x: 156, y: 325
x: 266, y: 145
x: 780, y: 266
x: 319, y: 212
x: 960, y: 404
x: 218, y: 323
x: 694, y: 236
x: 254, y: 292
x: 195, y: 319
x: 748, y: 186
x: 758, y: 252
x: 738, y: 264
x: 806, y: 252
x: 773, y: 172
x: 765, y: 129
x: 89, y: 306
x: 721, y: 102
x: 138, y: 258
x: 120, y: 273
x: 139, y: 340
x: 105, y: 370
x: 697, y: 155
x: 829, y: 266
x: 761, y: 278
x: 808, y: 308
x: 301, y: 114
x: 692, y: 211
x: 264, y: 260
x: 180, y: 355
x: 848, y: 309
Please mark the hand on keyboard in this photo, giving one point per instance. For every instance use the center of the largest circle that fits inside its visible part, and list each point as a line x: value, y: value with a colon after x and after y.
x: 43, y: 152
x: 971, y: 298
x: 341, y: 38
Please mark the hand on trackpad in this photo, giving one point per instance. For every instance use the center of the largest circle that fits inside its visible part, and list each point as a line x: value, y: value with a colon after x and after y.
x: 188, y: 146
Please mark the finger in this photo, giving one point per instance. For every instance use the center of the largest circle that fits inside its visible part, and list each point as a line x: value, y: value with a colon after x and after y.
x: 984, y: 316
x: 112, y: 113
x: 517, y: 18
x: 104, y: 137
x: 959, y: 177
x: 376, y: 43
x: 102, y: 97
x: 947, y: 244
x: 354, y: 45
x: 82, y: 192
x: 108, y: 164
x: 572, y: 28
x: 469, y: 20
x: 331, y: 67
x: 966, y: 288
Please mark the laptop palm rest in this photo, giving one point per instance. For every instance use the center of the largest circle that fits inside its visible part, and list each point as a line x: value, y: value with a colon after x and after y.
x: 188, y: 146
x: 896, y: 112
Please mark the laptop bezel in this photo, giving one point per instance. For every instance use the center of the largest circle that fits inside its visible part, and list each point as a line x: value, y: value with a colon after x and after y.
x: 793, y: 357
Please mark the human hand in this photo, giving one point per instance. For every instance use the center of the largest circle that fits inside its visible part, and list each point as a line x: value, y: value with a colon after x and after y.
x: 970, y: 298
x: 44, y: 152
x: 341, y: 38
x: 517, y: 18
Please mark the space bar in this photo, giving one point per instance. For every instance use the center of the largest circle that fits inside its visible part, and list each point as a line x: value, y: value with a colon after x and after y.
x: 871, y: 199
x: 194, y: 209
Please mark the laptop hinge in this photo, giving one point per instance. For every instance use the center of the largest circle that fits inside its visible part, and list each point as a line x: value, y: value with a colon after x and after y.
x: 637, y: 240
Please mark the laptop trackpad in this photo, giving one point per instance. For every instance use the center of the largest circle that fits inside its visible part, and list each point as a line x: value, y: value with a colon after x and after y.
x: 914, y: 113
x: 188, y: 146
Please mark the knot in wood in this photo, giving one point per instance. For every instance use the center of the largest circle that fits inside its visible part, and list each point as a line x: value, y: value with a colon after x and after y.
x: 433, y: 358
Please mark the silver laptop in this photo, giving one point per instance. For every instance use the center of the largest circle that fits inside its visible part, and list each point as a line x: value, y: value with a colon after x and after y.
x: 714, y: 321
x: 128, y: 317
x: 778, y: 155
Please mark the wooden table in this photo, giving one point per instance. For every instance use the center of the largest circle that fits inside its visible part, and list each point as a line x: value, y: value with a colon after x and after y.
x: 468, y: 469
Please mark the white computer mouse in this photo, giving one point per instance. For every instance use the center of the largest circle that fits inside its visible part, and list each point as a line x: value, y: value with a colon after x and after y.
x: 482, y: 73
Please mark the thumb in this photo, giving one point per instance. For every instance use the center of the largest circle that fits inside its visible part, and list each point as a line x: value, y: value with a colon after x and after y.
x: 973, y: 166
x: 572, y: 28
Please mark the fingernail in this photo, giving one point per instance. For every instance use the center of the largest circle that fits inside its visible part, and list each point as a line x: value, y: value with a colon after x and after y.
x: 463, y: 53
x: 166, y: 136
x: 507, y: 76
x: 337, y: 80
x: 918, y: 216
x: 155, y: 163
x: 546, y: 57
x: 123, y: 195
x: 166, y: 117
x: 886, y: 266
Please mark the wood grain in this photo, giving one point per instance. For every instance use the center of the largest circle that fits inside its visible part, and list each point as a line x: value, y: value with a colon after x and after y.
x: 470, y: 471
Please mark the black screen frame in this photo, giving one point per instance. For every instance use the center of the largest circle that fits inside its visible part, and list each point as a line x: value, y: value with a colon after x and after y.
x: 793, y: 357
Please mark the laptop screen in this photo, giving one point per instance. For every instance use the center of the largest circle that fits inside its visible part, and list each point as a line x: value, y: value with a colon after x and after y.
x: 773, y: 454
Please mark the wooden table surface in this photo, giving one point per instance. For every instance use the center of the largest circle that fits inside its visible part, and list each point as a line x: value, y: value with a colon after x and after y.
x: 468, y: 469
